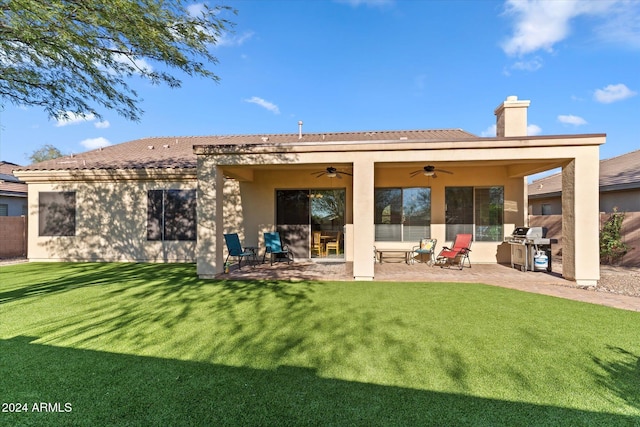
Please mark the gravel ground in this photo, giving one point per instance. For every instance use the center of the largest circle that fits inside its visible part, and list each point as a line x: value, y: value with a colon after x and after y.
x: 619, y: 280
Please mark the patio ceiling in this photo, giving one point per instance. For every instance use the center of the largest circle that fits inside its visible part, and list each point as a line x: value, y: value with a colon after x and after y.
x: 517, y: 168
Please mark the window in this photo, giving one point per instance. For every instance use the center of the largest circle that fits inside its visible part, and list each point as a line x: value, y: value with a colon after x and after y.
x: 292, y: 207
x: 402, y: 214
x: 489, y: 210
x: 171, y: 215
x: 4, y: 209
x: 477, y: 211
x: 57, y: 213
x: 458, y: 211
x: 546, y: 209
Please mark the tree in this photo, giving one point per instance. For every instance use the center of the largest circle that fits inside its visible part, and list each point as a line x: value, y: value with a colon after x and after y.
x: 75, y: 56
x: 47, y: 152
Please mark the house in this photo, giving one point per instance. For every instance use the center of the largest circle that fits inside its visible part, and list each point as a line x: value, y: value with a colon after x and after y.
x: 171, y: 199
x: 13, y: 192
x: 619, y: 183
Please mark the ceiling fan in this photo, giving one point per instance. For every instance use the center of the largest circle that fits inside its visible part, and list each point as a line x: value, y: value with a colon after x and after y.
x: 331, y: 172
x: 428, y: 171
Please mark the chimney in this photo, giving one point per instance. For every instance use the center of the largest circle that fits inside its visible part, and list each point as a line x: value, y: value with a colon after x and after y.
x: 300, y: 129
x: 511, y: 117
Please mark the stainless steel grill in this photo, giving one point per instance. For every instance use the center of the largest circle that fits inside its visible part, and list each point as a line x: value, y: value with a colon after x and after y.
x: 525, y: 242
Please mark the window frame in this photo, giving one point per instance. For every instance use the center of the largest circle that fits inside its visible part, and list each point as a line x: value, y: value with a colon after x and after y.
x: 396, y: 228
x: 166, y: 221
x: 475, y: 210
x: 57, y: 211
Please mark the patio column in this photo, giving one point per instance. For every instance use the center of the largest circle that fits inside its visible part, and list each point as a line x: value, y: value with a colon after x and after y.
x: 363, y: 227
x: 580, y: 219
x: 210, y: 246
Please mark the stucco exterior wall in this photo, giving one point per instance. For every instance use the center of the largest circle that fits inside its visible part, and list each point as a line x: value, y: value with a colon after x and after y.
x: 554, y: 206
x: 111, y: 224
x: 624, y: 201
x: 15, y: 205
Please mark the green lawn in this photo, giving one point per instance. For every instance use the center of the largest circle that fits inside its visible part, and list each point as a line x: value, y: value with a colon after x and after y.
x: 150, y: 344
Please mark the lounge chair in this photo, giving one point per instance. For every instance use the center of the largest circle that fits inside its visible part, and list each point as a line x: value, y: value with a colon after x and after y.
x: 457, y: 253
x: 235, y: 249
x: 274, y: 246
x: 426, y: 247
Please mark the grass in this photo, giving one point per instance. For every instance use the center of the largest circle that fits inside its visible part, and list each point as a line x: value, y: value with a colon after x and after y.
x: 150, y: 344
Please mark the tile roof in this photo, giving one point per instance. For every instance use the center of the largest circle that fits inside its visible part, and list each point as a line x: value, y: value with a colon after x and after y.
x: 616, y: 173
x: 10, y: 185
x: 177, y: 152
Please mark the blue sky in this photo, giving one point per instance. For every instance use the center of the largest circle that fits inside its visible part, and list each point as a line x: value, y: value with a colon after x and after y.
x: 358, y: 65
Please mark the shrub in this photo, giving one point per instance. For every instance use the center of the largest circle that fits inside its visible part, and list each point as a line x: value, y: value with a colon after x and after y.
x: 612, y: 248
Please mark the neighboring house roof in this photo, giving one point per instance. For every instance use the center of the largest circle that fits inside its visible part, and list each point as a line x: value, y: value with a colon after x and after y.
x: 617, y: 173
x: 177, y: 152
x: 10, y: 185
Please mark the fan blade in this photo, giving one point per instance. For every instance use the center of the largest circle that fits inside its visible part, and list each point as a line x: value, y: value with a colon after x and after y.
x: 344, y: 173
x: 444, y: 171
x: 339, y: 175
x: 415, y: 173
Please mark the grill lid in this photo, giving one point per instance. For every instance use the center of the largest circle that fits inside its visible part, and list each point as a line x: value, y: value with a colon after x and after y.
x: 520, y: 232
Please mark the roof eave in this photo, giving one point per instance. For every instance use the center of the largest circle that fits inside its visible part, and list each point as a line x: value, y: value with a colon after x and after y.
x: 33, y: 176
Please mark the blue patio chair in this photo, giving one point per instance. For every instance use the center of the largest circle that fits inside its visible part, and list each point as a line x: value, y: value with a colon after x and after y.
x: 274, y: 247
x: 235, y: 249
x: 426, y: 247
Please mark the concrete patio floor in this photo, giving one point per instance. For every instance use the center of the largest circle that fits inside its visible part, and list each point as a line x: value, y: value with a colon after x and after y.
x: 491, y: 274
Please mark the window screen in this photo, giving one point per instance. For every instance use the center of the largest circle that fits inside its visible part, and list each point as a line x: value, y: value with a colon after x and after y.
x: 57, y: 213
x: 171, y: 215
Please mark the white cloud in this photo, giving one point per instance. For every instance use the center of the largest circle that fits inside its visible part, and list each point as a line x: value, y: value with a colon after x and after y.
x: 232, y: 40
x: 489, y: 132
x: 196, y: 9
x: 102, y: 125
x: 570, y: 119
x: 93, y: 143
x: 137, y: 63
x: 613, y: 93
x: 533, y: 64
x: 533, y: 130
x: 264, y: 104
x: 540, y: 24
x: 69, y: 118
x: 622, y: 26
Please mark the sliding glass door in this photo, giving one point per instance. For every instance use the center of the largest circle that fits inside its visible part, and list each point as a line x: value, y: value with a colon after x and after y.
x: 312, y: 222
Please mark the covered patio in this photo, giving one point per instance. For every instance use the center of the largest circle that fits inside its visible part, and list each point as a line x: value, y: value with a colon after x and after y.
x: 481, y: 190
x: 302, y: 270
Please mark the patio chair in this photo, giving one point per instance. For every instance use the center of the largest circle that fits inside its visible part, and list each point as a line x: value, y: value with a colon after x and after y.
x: 459, y: 252
x: 274, y: 247
x: 235, y: 249
x: 426, y: 247
x: 334, y: 245
x: 317, y: 246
